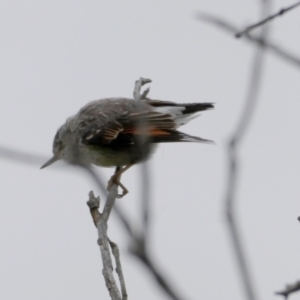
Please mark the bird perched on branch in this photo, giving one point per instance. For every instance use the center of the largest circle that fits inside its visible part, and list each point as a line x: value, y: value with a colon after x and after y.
x: 121, y: 132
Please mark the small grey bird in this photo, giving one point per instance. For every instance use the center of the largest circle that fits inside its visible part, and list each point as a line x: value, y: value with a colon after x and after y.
x: 121, y: 132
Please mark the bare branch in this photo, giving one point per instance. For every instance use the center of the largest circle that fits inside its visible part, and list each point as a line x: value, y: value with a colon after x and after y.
x: 266, y: 20
x: 101, y: 224
x: 290, y: 288
x: 229, y: 27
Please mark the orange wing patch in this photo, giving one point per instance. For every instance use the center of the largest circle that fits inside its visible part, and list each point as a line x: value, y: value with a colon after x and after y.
x: 149, y: 131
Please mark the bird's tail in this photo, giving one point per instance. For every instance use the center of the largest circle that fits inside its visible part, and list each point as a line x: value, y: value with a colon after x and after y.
x: 172, y: 136
x: 181, y: 113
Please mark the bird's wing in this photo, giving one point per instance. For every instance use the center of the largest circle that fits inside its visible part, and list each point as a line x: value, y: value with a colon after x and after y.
x: 127, y: 128
x: 129, y: 121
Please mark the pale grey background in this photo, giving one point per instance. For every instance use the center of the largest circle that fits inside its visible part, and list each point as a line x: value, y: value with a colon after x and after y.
x: 56, y: 56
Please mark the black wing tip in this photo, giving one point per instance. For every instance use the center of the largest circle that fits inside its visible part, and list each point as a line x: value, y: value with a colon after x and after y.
x: 158, y: 103
x: 195, y: 107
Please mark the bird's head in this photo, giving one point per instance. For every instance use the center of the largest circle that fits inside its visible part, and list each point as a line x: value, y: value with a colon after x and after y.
x: 63, y: 146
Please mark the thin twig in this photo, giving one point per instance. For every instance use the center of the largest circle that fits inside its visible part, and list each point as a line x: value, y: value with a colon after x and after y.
x: 229, y: 27
x: 21, y: 156
x: 101, y: 223
x: 290, y: 288
x: 120, y: 214
x: 266, y: 20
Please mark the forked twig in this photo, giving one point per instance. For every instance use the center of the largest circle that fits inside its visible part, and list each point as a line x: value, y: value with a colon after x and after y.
x: 100, y: 220
x: 290, y: 288
x: 138, y: 86
x: 229, y: 27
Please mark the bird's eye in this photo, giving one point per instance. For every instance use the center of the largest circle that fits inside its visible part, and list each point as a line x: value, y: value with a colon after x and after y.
x: 60, y: 145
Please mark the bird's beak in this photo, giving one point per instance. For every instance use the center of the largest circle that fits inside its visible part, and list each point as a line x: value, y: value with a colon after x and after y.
x: 50, y: 161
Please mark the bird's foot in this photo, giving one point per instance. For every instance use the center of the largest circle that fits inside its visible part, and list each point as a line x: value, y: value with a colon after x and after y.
x: 115, y: 180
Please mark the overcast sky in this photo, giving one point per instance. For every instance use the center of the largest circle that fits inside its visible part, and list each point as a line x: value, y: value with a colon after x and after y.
x: 55, y: 56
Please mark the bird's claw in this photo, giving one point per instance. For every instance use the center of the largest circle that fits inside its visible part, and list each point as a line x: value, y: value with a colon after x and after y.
x: 114, y: 180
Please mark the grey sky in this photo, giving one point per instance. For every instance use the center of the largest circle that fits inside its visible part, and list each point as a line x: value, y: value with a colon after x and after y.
x: 56, y: 56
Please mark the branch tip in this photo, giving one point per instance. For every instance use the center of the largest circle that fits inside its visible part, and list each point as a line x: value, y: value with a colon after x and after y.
x: 93, y: 202
x: 138, y: 86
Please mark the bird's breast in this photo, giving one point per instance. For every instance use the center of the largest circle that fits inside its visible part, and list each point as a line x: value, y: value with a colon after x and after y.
x: 107, y: 156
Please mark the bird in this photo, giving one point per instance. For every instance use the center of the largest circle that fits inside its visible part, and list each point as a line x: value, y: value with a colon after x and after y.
x: 122, y: 132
